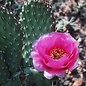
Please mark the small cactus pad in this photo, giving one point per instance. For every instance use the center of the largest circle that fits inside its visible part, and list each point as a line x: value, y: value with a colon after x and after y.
x: 30, y: 77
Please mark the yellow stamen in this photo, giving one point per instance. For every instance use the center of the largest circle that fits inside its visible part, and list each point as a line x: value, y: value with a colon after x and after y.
x: 57, y: 53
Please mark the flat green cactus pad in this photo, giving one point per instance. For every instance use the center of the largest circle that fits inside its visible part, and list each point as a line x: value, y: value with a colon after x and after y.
x: 10, y: 47
x: 36, y: 20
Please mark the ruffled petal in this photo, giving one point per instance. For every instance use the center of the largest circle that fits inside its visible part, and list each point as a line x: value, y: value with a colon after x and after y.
x: 51, y: 73
x: 35, y: 55
x: 41, y: 51
x: 37, y: 61
x: 39, y: 65
x: 47, y: 44
x: 48, y: 75
x: 60, y: 73
x: 71, y: 63
x: 58, y: 64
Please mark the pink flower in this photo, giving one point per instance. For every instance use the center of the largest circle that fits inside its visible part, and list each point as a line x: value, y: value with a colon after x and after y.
x: 55, y: 53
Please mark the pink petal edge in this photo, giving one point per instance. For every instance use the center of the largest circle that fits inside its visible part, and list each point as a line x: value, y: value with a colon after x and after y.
x: 48, y: 75
x: 38, y: 65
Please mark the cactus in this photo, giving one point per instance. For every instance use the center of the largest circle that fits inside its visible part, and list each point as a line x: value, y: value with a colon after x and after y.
x: 36, y: 20
x: 16, y: 38
x: 4, y: 72
x: 10, y: 47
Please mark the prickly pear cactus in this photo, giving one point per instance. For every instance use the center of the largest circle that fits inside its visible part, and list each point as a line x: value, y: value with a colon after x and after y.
x: 10, y: 47
x: 36, y: 20
x: 16, y: 40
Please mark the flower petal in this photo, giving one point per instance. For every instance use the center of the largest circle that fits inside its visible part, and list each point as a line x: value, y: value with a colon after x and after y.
x: 73, y: 58
x: 47, y: 43
x: 39, y: 65
x: 37, y: 62
x: 35, y: 55
x: 43, y: 54
x: 57, y: 64
x: 48, y: 75
x: 60, y: 73
x: 52, y: 73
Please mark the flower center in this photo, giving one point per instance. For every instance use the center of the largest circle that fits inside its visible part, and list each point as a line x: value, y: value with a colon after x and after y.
x: 57, y: 53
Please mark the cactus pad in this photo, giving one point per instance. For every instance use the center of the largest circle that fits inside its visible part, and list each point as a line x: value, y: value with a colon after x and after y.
x: 10, y: 47
x: 36, y: 20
